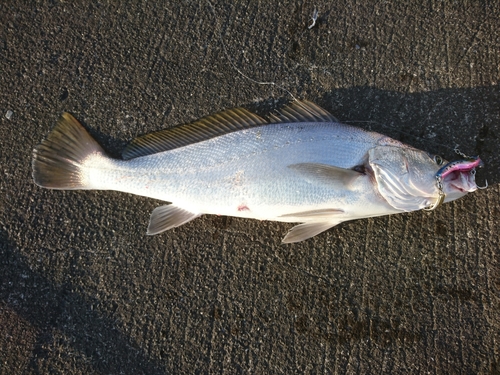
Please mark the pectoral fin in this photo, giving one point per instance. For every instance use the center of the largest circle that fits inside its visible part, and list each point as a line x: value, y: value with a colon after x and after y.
x: 325, y: 173
x: 304, y: 231
x: 168, y: 217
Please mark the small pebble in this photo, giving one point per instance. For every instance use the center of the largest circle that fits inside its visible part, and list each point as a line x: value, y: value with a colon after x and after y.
x: 9, y: 114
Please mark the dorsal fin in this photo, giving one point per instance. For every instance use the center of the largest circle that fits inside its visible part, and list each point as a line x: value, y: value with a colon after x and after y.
x: 220, y: 124
x: 201, y: 130
x: 302, y: 111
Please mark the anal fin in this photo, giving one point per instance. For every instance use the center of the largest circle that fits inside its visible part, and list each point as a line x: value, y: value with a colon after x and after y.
x: 304, y: 231
x: 167, y: 217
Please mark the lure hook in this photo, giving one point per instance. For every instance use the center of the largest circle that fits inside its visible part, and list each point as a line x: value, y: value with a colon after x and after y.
x: 483, y: 187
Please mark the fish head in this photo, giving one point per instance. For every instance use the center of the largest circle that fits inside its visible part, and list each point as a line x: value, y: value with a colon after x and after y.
x: 410, y: 179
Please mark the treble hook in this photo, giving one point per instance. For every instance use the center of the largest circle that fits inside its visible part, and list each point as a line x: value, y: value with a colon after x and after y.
x: 473, y: 172
x: 483, y: 187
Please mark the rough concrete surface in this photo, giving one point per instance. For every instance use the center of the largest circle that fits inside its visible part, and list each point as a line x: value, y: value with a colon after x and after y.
x: 83, y: 290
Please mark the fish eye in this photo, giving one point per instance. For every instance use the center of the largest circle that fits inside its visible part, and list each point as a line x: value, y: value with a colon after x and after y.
x: 438, y: 159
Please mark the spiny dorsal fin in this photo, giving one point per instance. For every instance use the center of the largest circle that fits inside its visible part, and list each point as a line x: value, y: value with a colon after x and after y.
x: 201, y: 130
x: 302, y: 111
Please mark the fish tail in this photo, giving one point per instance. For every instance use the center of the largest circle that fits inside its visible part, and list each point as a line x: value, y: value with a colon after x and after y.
x: 63, y: 159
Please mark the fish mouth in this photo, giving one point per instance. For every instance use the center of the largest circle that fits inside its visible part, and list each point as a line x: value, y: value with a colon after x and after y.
x: 462, y: 181
x: 460, y: 176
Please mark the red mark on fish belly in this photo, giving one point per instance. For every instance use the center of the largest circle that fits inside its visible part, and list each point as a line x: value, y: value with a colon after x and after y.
x: 243, y: 207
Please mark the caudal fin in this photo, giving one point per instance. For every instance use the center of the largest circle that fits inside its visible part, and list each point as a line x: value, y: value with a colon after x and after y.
x: 58, y: 162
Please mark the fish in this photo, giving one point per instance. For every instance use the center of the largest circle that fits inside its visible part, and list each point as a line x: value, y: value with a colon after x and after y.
x: 297, y: 165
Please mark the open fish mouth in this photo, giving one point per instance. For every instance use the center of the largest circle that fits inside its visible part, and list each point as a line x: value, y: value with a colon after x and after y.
x: 460, y: 174
x: 462, y: 181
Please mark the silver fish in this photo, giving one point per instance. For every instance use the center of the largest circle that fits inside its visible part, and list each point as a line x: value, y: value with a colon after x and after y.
x: 299, y: 165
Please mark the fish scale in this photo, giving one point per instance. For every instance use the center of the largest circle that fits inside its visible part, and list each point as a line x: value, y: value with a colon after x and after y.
x: 191, y: 173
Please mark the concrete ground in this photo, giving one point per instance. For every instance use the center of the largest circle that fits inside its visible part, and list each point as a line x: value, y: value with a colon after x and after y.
x: 83, y: 290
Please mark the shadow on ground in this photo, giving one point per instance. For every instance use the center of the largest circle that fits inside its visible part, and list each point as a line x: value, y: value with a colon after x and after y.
x: 49, y: 308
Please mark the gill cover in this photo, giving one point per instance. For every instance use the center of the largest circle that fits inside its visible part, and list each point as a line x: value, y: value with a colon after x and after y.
x: 405, y: 177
